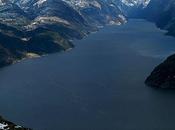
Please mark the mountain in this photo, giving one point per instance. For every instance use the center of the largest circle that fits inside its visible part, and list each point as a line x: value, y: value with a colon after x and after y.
x: 30, y: 28
x: 98, y: 12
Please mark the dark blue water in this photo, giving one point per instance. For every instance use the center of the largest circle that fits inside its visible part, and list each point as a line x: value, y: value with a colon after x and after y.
x: 99, y: 85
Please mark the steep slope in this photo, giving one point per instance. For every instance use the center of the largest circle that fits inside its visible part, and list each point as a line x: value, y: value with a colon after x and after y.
x: 98, y: 12
x: 12, y: 15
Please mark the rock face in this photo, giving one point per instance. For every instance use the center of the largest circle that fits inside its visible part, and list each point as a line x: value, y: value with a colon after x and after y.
x: 163, y: 75
x: 6, y: 125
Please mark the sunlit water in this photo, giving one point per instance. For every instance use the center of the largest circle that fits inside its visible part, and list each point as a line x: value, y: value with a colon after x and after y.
x: 99, y: 85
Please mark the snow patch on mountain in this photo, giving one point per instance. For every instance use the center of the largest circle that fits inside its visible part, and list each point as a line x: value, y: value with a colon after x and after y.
x: 143, y: 3
x: 83, y: 3
x: 40, y: 2
x: 3, y: 126
x: 41, y: 21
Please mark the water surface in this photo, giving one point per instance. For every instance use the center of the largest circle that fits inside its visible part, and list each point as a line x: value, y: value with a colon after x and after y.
x: 99, y: 85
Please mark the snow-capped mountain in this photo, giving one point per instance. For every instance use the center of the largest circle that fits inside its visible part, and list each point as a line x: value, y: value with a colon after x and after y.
x: 32, y: 14
x: 69, y: 11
